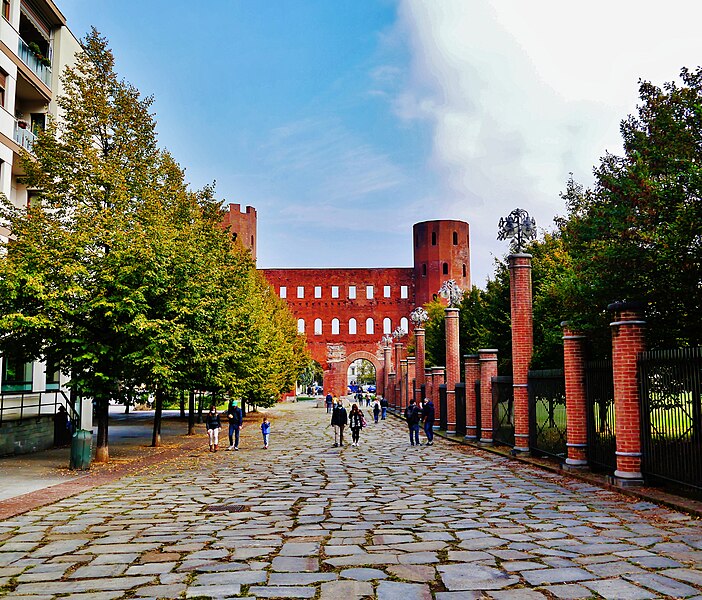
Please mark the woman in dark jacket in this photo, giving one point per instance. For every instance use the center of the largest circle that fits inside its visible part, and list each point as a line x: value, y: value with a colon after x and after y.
x: 355, y: 423
x: 213, y: 424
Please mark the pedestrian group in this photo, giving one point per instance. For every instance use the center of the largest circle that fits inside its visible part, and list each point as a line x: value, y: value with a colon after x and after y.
x: 235, y: 417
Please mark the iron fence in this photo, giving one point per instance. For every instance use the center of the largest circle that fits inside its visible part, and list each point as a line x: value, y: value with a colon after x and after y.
x: 601, y: 435
x: 547, y: 413
x: 478, y: 412
x: 443, y: 405
x: 20, y: 406
x: 460, y: 396
x: 671, y: 417
x: 503, y: 410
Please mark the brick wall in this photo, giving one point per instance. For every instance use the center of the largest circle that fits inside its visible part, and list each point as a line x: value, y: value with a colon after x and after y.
x: 23, y: 437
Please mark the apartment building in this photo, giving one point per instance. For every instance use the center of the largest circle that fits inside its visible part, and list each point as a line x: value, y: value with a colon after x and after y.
x: 35, y: 46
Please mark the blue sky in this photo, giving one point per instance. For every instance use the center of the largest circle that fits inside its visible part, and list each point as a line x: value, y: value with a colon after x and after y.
x: 344, y: 122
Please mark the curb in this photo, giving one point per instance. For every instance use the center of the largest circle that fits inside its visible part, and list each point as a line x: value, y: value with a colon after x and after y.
x: 679, y: 503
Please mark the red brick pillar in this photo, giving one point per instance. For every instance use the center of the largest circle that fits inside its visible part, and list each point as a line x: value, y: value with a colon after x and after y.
x: 437, y: 376
x: 411, y: 375
x: 488, y: 369
x: 576, y: 399
x: 472, y: 369
x: 387, y: 369
x: 628, y: 341
x: 403, y: 383
x: 453, y: 366
x: 522, y: 343
x: 429, y: 386
x: 420, y: 354
x: 391, y: 390
x: 398, y: 373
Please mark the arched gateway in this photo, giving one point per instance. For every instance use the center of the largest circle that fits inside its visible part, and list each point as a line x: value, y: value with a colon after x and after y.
x: 344, y: 313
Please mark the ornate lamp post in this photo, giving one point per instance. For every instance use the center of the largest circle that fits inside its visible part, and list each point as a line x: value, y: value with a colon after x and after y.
x: 519, y: 227
x: 453, y: 295
x: 451, y: 292
x: 419, y: 316
x: 398, y: 334
x: 386, y: 340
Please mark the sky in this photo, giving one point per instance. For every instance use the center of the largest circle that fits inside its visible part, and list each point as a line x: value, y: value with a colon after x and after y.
x: 345, y: 122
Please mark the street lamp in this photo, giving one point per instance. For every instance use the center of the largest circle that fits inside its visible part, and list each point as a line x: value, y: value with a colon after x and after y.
x: 518, y: 227
x: 451, y: 292
x: 419, y: 316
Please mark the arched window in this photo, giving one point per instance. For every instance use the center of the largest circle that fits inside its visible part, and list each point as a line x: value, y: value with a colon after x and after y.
x: 387, y: 325
x: 464, y: 270
x: 335, y: 326
x: 445, y: 269
x: 352, y: 326
x: 318, y: 326
x: 301, y: 326
x: 252, y: 240
x: 433, y: 238
x: 455, y: 238
x: 424, y: 269
x: 404, y: 324
x: 370, y: 326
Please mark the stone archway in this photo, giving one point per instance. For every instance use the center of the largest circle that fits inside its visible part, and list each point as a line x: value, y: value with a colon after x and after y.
x: 362, y: 355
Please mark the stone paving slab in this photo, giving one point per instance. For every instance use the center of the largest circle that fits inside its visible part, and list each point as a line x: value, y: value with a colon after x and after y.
x: 384, y: 520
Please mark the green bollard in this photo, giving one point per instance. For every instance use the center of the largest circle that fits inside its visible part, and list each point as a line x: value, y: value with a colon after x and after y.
x: 81, y: 449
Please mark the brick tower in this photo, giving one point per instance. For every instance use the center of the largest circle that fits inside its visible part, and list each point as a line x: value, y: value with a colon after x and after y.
x: 242, y: 225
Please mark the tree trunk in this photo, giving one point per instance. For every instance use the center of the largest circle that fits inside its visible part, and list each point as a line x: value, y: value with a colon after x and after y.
x: 199, y: 408
x: 182, y: 404
x: 191, y: 413
x: 102, y: 451
x: 156, y: 437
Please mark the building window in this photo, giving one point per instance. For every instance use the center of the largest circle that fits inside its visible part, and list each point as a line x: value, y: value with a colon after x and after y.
x: 370, y: 326
x: 317, y: 291
x: 3, y: 81
x: 352, y: 326
x: 386, y: 291
x: 335, y: 291
x: 283, y: 293
x: 318, y: 326
x: 352, y: 292
x: 252, y: 241
x: 455, y: 238
x: 6, y: 10
x: 464, y: 271
x: 424, y: 269
x: 404, y: 324
x: 369, y: 292
x: 335, y: 326
x: 433, y: 238
x: 301, y: 326
x: 53, y: 375
x: 404, y: 292
x: 300, y: 291
x: 16, y: 374
x: 445, y: 269
x: 387, y: 325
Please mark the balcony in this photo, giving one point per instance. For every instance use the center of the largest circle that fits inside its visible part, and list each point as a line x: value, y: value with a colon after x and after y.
x: 24, y: 137
x: 28, y: 58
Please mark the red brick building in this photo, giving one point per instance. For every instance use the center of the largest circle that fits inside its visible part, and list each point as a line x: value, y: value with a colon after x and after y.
x: 344, y: 313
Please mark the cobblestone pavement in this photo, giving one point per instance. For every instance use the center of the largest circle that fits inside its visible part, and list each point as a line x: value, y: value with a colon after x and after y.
x: 384, y: 520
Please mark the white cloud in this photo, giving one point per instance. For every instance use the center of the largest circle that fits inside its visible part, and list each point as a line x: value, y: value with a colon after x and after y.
x: 521, y: 93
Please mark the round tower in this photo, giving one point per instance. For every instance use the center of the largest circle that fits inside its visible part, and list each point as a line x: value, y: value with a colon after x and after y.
x: 441, y: 252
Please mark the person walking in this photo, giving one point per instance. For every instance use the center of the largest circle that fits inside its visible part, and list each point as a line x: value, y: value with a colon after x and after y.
x: 339, y: 419
x: 368, y: 400
x: 428, y: 416
x: 266, y: 431
x: 412, y: 417
x: 356, y: 422
x: 213, y: 425
x: 376, y: 410
x: 383, y: 408
x: 329, y: 401
x: 236, y: 422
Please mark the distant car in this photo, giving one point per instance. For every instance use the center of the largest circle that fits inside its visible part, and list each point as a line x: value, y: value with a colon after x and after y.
x: 371, y: 389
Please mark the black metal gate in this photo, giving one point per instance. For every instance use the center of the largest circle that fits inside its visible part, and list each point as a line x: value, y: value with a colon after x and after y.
x: 460, y: 409
x: 601, y: 440
x: 547, y: 413
x: 502, y: 410
x: 478, y: 413
x: 671, y: 416
x: 443, y: 404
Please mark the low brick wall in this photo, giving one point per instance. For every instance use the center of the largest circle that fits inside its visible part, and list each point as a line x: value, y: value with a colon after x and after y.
x: 23, y: 437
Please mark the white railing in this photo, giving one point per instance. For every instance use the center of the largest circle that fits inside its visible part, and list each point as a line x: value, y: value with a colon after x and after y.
x: 29, y: 59
x: 24, y: 137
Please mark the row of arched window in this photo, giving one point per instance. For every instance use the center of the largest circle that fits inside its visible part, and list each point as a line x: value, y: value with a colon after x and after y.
x: 352, y: 326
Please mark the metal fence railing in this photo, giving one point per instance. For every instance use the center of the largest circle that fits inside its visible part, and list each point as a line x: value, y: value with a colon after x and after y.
x: 20, y: 406
x: 601, y: 435
x: 547, y: 413
x: 671, y: 416
x: 503, y: 410
x: 478, y: 413
x: 460, y: 409
x: 443, y: 408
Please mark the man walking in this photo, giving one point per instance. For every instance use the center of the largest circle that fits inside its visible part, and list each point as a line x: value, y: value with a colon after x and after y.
x: 339, y: 420
x: 383, y: 408
x: 412, y: 416
x: 328, y: 401
x: 428, y: 416
x: 236, y: 422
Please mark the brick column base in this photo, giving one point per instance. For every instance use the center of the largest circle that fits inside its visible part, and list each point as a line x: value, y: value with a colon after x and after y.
x: 576, y: 398
x: 488, y: 370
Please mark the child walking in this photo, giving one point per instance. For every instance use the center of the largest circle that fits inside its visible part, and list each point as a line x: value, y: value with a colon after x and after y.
x: 266, y: 431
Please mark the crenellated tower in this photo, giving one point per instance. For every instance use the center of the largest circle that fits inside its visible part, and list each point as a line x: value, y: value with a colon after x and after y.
x: 242, y: 225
